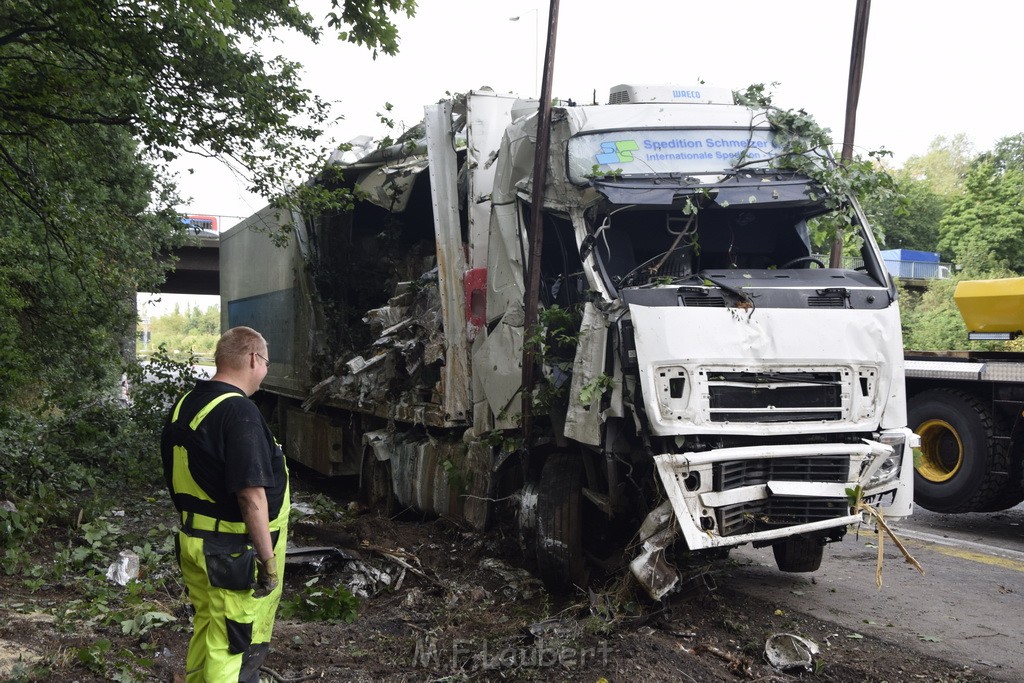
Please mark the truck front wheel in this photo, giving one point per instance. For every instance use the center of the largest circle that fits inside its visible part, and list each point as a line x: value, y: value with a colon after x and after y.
x: 560, y: 558
x: 960, y: 467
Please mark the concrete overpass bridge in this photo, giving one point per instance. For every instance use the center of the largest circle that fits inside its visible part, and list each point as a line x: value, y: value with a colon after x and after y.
x: 197, y: 270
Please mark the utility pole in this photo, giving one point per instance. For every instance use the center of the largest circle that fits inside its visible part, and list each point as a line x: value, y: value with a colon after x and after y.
x: 540, y: 168
x: 860, y: 37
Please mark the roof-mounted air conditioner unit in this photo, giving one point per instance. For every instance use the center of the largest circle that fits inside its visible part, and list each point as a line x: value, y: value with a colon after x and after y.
x: 666, y: 94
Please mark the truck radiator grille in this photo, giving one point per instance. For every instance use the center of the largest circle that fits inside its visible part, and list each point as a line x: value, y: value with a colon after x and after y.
x: 775, y: 397
x: 777, y: 512
x: 731, y: 475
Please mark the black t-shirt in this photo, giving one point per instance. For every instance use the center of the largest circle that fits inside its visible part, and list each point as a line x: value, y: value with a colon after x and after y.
x: 232, y: 449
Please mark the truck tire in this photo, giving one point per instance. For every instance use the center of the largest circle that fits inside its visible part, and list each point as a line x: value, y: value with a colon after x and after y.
x: 961, y: 467
x: 799, y: 554
x: 560, y: 560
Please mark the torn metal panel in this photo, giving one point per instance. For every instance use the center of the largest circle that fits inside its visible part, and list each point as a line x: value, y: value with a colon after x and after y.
x: 658, y: 532
x: 401, y: 373
x: 583, y: 421
x: 498, y: 362
x: 487, y: 113
x: 506, y: 270
x: 711, y: 515
x: 450, y: 260
x: 507, y: 245
x: 390, y: 187
x: 319, y: 557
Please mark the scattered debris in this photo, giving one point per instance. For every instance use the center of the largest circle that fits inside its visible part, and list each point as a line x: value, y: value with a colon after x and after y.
x: 319, y: 557
x: 788, y: 652
x: 519, y: 583
x: 858, y: 505
x: 124, y: 569
x: 305, y: 508
x: 658, y: 531
x: 365, y: 581
x: 737, y: 665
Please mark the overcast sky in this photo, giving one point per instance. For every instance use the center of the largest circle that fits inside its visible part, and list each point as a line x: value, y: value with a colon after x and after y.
x: 933, y: 67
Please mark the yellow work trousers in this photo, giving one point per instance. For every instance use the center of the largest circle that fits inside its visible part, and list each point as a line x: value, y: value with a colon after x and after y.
x: 231, y: 628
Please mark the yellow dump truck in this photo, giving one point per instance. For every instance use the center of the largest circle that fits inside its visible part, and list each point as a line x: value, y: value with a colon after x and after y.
x: 967, y: 408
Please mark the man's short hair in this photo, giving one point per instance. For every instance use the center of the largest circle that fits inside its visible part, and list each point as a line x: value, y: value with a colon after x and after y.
x: 235, y: 345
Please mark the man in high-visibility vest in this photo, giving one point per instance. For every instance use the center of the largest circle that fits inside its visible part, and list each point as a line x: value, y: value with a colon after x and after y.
x: 229, y: 482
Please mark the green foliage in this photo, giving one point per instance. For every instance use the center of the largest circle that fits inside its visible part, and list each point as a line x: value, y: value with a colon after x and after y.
x: 75, y: 248
x: 808, y: 151
x: 982, y: 229
x: 555, y: 337
x: 96, y: 97
x: 596, y: 388
x: 154, y: 384
x: 321, y: 603
x: 508, y: 441
x: 369, y: 23
x: 944, y: 166
x: 145, y: 622
x: 854, y: 495
x: 77, y: 461
x: 934, y: 323
x: 101, y: 658
x: 1008, y: 153
x: 325, y: 510
x: 910, y: 219
x: 193, y: 332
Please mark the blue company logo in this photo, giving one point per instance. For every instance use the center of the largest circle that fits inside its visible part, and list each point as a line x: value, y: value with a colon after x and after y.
x: 620, y: 152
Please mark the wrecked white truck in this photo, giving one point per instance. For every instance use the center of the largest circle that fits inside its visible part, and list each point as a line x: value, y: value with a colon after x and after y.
x: 703, y: 380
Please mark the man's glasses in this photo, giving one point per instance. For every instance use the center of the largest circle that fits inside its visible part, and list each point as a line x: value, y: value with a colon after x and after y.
x: 265, y: 360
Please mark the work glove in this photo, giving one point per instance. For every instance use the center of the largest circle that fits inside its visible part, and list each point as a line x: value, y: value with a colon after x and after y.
x: 266, y: 576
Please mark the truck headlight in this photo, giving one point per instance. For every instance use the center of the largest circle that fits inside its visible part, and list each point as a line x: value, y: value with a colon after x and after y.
x: 890, y: 468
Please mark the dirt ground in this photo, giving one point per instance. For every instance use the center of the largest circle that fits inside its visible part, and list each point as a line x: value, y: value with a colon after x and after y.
x: 438, y: 603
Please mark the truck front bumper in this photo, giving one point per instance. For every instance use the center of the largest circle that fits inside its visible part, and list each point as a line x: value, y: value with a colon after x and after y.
x: 760, y: 494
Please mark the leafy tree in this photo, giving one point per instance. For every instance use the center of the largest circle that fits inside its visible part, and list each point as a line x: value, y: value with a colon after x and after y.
x: 193, y: 332
x: 1008, y: 153
x: 96, y: 96
x: 984, y: 229
x: 944, y: 166
x: 911, y: 219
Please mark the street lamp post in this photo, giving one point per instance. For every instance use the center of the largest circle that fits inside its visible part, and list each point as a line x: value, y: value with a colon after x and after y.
x: 536, y: 29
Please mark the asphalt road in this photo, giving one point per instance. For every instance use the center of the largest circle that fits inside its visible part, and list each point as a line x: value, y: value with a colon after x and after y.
x: 968, y: 606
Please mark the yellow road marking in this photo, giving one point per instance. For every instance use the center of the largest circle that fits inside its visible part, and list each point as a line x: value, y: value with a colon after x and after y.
x: 1004, y: 562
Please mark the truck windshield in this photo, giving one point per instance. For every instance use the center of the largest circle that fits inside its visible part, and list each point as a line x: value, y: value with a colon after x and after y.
x: 734, y: 229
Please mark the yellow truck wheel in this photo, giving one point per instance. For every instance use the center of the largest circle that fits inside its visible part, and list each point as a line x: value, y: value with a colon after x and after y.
x: 962, y: 466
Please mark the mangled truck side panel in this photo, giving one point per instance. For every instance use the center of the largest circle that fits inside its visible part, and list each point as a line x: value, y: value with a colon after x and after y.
x: 700, y: 381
